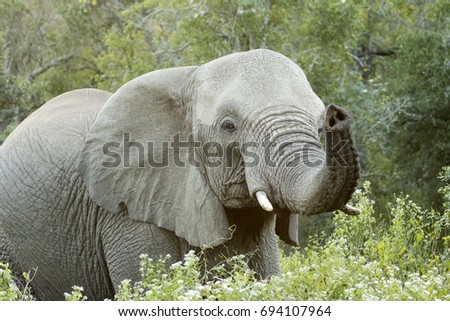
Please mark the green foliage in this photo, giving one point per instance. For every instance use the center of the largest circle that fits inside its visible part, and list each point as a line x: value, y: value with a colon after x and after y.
x: 125, y: 58
x: 407, y: 260
x: 444, y: 176
x: 183, y: 281
x: 420, y: 74
x: 215, y: 28
x: 8, y: 288
x: 17, y: 101
x: 128, y: 51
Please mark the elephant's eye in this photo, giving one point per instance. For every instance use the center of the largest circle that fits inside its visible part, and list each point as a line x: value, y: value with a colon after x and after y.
x: 228, y: 126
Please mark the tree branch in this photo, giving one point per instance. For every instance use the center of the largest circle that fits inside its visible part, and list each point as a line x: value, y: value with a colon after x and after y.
x: 53, y: 63
x: 382, y: 52
x: 175, y: 50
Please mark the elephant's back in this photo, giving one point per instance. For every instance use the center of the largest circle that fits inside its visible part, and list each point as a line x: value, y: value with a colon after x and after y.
x: 69, y: 115
x: 40, y: 154
x: 55, y: 132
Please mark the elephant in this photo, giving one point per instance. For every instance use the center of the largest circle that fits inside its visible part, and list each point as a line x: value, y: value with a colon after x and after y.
x: 220, y: 158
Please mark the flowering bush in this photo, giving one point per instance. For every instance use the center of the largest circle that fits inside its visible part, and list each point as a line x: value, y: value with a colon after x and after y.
x: 9, y: 291
x: 404, y: 259
x: 407, y: 259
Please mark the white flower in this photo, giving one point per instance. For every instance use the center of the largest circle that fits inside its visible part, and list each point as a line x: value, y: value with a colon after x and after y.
x: 77, y: 288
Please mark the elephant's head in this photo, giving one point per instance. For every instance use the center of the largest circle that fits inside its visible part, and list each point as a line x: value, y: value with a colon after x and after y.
x: 178, y: 147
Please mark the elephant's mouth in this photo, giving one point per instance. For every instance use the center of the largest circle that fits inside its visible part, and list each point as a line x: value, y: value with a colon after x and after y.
x: 236, y: 195
x: 236, y: 176
x: 240, y: 203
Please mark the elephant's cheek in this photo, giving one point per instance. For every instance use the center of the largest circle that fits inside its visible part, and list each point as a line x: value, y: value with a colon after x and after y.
x: 237, y: 196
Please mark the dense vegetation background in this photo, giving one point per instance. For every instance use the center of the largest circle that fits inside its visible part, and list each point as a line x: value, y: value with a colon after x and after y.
x: 385, y: 61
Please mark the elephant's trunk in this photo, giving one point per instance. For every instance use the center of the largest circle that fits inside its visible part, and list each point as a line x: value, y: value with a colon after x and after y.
x: 323, y: 181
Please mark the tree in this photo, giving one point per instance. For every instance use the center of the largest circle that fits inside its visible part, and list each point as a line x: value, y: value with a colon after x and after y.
x: 16, y: 102
x: 420, y: 75
x: 385, y: 61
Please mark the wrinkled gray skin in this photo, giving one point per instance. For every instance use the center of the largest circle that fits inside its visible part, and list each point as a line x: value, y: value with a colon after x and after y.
x: 80, y: 223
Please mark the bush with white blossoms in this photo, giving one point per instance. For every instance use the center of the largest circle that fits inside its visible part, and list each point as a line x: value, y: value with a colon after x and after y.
x: 9, y: 289
x: 184, y: 281
x: 362, y: 260
x: 407, y: 258
x: 76, y: 294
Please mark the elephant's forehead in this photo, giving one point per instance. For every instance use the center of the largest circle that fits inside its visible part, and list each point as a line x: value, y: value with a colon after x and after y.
x: 253, y: 80
x: 254, y: 67
x: 249, y: 93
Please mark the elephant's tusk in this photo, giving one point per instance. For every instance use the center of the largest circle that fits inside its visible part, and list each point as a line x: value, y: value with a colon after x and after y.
x: 350, y: 210
x: 264, y: 201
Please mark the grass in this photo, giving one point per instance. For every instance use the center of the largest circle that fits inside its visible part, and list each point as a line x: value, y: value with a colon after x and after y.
x: 404, y: 259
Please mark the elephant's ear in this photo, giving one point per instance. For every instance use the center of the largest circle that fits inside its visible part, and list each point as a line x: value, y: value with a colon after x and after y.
x: 128, y: 160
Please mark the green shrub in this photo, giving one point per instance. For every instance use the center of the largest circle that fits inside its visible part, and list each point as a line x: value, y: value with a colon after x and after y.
x: 362, y: 260
x: 9, y: 291
x: 408, y: 260
x: 184, y: 281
